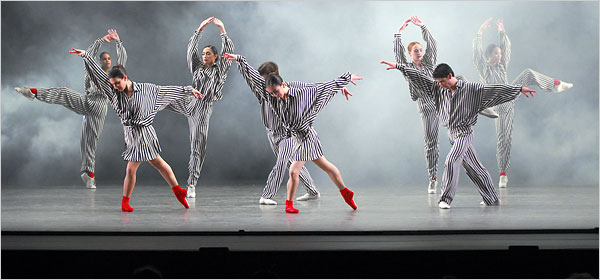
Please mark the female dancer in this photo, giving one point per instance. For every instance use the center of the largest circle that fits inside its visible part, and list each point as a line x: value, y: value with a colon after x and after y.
x: 492, y: 69
x: 425, y: 62
x: 92, y: 105
x: 136, y: 104
x: 458, y: 103
x: 280, y: 144
x: 209, y: 75
x: 297, y: 108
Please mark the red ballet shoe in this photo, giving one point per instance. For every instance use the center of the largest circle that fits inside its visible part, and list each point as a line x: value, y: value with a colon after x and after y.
x: 289, y: 207
x: 125, y: 205
x: 181, y: 194
x: 348, y: 195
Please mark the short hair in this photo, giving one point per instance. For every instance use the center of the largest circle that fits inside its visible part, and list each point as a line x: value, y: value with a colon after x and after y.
x: 268, y: 68
x: 442, y: 70
x: 411, y: 45
x: 213, y: 49
x: 117, y: 71
x: 273, y: 80
x: 102, y: 53
x: 490, y: 49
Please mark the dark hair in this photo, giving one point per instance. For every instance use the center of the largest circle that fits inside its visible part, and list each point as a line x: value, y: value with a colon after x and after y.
x: 102, y: 53
x: 117, y: 71
x: 442, y: 70
x: 273, y: 80
x: 268, y: 68
x: 213, y: 49
x: 490, y: 49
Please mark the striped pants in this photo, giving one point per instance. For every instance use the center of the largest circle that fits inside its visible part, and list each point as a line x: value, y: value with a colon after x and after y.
x: 463, y: 153
x: 506, y: 112
x: 431, y: 124
x: 93, y: 108
x: 283, y: 149
x: 198, y: 112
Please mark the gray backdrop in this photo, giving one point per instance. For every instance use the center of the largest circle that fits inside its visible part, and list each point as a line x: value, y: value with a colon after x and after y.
x: 375, y: 139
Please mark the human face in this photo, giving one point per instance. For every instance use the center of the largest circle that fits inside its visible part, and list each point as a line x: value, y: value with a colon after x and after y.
x: 495, y: 56
x: 208, y: 56
x: 276, y: 90
x: 445, y: 82
x: 118, y: 83
x: 105, y: 61
x: 416, y: 53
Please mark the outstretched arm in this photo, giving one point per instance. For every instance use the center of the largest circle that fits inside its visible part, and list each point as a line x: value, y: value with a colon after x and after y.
x: 254, y: 80
x: 95, y: 72
x: 193, y: 58
x: 504, y: 43
x: 493, y: 95
x: 423, y: 82
x: 398, y: 46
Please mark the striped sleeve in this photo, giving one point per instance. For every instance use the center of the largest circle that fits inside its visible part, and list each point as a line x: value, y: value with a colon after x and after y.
x: 226, y: 47
x: 399, y: 49
x: 297, y: 84
x: 121, y: 53
x: 167, y: 94
x: 492, y: 95
x: 98, y: 76
x: 478, y: 57
x: 425, y: 84
x: 254, y: 80
x: 193, y: 58
x: 430, y: 56
x: 92, y: 50
x: 505, y: 47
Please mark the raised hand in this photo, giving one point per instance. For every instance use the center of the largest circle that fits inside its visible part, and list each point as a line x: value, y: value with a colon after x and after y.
x: 404, y: 25
x: 355, y: 77
x: 416, y: 21
x: 485, y: 25
x: 106, y: 38
x: 390, y: 64
x: 500, y: 24
x: 113, y: 34
x: 230, y: 56
x: 526, y: 90
x: 205, y: 23
x: 197, y: 94
x: 219, y: 24
x: 346, y: 93
x: 77, y: 51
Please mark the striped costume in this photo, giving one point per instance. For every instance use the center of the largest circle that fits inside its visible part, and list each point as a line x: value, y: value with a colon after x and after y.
x: 280, y: 144
x: 426, y: 104
x: 92, y: 105
x: 299, y: 111
x: 496, y: 74
x: 458, y: 112
x: 208, y: 81
x: 137, y: 111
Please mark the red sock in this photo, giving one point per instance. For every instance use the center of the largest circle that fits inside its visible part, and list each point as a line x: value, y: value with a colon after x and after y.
x: 125, y: 205
x: 556, y: 82
x: 435, y: 178
x: 503, y: 174
x: 289, y: 207
x: 180, y: 194
x: 348, y: 195
x: 91, y: 174
x: 33, y: 90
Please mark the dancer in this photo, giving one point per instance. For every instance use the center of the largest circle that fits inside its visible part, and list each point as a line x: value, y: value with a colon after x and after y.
x: 492, y: 69
x: 209, y: 75
x: 92, y: 105
x: 458, y: 103
x: 136, y: 104
x: 281, y: 145
x: 297, y: 109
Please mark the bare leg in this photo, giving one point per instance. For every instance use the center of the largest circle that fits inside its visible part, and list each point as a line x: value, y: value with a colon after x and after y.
x: 130, y: 176
x: 165, y: 171
x: 332, y: 171
x: 294, y: 179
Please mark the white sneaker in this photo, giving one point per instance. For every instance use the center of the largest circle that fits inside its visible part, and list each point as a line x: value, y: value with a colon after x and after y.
x: 89, y: 182
x: 267, y: 201
x: 562, y: 86
x: 308, y: 196
x: 191, y: 191
x: 503, y: 181
x: 489, y: 113
x: 432, y: 187
x: 444, y: 205
x: 25, y: 92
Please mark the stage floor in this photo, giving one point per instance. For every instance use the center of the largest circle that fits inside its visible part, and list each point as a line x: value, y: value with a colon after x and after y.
x: 384, y: 213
